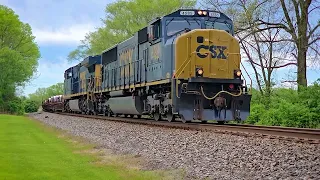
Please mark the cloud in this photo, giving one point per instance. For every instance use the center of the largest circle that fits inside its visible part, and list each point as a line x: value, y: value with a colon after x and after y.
x: 69, y: 35
x: 59, y: 22
x: 49, y: 72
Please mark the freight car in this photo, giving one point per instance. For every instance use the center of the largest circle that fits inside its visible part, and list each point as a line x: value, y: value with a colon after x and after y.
x: 183, y: 65
x: 53, y: 104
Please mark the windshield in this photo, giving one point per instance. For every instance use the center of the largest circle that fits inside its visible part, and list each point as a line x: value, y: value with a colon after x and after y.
x: 174, y: 26
x: 218, y: 25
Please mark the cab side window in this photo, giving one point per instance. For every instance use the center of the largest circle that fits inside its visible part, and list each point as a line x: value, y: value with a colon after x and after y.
x: 155, y: 31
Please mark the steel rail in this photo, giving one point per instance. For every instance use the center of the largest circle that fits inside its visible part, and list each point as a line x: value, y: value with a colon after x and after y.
x: 288, y: 133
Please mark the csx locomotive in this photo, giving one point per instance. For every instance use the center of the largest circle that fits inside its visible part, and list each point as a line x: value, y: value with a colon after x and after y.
x: 183, y: 65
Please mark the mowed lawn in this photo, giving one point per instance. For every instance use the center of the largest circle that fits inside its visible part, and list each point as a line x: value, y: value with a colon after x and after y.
x: 30, y: 151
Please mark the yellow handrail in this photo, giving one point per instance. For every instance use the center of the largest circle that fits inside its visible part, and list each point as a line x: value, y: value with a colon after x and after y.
x: 177, y: 75
x: 183, y: 64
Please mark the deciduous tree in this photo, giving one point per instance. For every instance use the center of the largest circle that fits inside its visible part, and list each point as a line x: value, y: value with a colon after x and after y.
x: 299, y: 19
x: 19, y: 53
x: 123, y: 19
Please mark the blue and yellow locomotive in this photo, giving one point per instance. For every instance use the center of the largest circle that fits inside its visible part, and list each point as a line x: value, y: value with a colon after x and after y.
x: 183, y: 65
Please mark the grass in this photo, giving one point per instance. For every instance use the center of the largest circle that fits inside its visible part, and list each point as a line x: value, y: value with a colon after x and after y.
x: 30, y: 150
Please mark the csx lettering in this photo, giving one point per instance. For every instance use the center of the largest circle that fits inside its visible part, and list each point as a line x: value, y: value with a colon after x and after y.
x: 213, y: 49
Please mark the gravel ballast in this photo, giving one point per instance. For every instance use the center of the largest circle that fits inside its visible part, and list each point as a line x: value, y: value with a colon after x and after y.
x: 202, y: 154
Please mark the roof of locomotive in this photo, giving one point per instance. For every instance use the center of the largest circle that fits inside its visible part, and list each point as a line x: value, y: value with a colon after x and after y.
x: 194, y: 13
x: 188, y: 12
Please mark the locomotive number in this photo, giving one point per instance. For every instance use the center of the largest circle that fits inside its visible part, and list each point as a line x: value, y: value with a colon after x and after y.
x: 213, y: 49
x: 187, y: 13
x: 214, y: 14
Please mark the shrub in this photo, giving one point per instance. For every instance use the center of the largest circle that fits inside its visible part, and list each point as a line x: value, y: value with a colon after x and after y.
x: 287, y: 107
x: 30, y: 106
x: 16, y: 106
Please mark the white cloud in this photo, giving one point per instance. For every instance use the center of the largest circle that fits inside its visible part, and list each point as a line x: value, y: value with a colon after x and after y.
x: 71, y: 35
x: 59, y: 22
x: 49, y: 73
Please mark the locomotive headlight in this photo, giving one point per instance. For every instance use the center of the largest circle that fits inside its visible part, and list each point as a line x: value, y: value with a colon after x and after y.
x: 237, y: 73
x: 199, y: 72
x: 200, y: 13
x: 204, y: 13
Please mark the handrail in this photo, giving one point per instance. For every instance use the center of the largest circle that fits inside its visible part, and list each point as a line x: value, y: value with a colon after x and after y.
x: 245, y: 80
x: 248, y: 76
x: 176, y: 76
x: 185, y: 64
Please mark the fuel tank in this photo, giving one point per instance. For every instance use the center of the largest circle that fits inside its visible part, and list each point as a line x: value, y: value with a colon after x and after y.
x: 74, y: 105
x: 126, y: 105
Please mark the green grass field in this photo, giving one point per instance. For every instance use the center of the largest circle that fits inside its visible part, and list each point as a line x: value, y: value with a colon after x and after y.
x: 29, y: 150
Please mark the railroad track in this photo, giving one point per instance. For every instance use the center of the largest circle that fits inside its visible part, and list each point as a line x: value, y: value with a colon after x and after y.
x: 286, y: 133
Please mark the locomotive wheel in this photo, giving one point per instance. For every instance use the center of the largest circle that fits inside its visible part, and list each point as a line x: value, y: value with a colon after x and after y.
x: 131, y: 116
x: 157, y: 116
x: 109, y: 114
x: 139, y: 116
x: 171, y: 117
x: 221, y: 122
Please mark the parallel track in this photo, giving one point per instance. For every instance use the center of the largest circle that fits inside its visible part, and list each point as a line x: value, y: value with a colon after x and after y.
x: 286, y: 133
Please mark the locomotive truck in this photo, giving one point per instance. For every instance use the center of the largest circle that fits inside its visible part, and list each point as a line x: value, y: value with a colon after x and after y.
x: 183, y: 65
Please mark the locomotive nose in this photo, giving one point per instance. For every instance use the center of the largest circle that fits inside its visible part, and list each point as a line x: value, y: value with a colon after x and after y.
x: 208, y: 53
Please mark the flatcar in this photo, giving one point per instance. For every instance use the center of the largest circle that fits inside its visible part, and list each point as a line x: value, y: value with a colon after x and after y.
x: 183, y: 65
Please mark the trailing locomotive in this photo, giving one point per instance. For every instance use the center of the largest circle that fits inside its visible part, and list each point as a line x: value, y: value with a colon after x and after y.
x: 183, y: 65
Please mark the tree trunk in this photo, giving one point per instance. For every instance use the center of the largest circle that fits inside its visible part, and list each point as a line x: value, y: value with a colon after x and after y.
x: 302, y: 67
x: 302, y: 44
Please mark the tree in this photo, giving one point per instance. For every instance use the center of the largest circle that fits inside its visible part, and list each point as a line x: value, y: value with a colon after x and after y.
x: 123, y: 19
x: 303, y: 32
x: 266, y: 49
x: 19, y: 53
x: 297, y: 18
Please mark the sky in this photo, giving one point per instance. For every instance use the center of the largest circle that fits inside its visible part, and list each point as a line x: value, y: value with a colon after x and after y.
x: 59, y: 25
